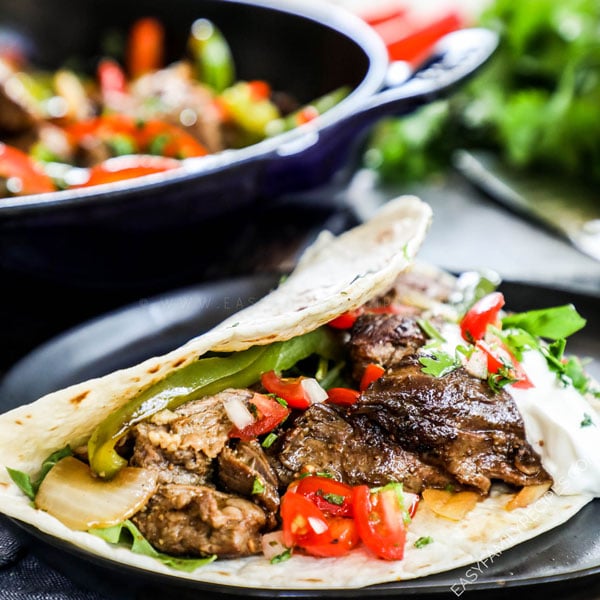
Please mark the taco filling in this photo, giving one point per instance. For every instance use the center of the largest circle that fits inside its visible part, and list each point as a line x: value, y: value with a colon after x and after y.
x: 384, y: 414
x: 335, y: 446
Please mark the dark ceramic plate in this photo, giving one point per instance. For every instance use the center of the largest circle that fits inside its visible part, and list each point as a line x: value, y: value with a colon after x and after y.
x: 559, y: 563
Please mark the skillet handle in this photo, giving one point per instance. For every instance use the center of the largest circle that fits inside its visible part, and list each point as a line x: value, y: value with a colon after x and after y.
x: 456, y: 57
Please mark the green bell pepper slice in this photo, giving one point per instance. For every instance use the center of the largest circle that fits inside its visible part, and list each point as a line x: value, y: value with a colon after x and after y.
x: 212, y: 55
x: 204, y: 377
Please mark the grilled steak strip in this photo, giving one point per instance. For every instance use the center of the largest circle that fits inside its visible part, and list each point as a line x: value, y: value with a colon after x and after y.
x: 199, y: 520
x: 353, y: 449
x: 244, y: 469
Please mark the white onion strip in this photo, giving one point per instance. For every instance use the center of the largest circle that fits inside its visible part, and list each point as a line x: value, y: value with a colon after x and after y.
x: 81, y: 501
x: 313, y: 391
x: 237, y: 412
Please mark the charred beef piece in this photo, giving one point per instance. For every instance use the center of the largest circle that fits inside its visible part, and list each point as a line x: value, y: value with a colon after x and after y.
x: 199, y: 521
x: 353, y: 449
x: 240, y: 466
x: 455, y: 422
x: 383, y: 339
x: 182, y: 444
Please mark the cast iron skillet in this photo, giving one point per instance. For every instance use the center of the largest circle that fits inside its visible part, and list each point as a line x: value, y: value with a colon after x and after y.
x: 303, y: 48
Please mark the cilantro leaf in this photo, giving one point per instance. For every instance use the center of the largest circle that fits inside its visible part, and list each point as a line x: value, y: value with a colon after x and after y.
x: 438, y: 363
x: 550, y: 323
x: 127, y: 533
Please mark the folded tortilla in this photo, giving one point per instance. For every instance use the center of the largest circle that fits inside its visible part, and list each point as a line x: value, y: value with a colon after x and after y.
x: 335, y: 275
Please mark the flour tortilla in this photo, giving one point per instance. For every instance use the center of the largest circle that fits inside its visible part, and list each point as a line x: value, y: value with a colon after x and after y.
x: 336, y: 274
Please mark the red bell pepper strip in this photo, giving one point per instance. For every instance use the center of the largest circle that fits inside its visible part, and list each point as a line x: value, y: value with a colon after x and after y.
x: 380, y: 518
x: 145, y: 47
x: 26, y: 176
x: 111, y: 77
x: 371, y: 373
x: 148, y: 137
x: 375, y: 16
x: 157, y: 137
x: 342, y: 396
x: 484, y: 312
x: 127, y: 167
x: 269, y: 414
x: 415, y: 46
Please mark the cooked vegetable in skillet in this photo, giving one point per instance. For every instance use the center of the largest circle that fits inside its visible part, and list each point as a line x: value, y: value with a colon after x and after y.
x: 63, y: 129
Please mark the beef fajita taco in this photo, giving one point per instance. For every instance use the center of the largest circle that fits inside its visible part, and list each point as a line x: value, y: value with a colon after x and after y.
x: 370, y: 420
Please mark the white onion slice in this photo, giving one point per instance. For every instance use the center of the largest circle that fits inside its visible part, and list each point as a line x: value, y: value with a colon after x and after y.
x: 317, y: 525
x: 237, y: 412
x: 81, y: 501
x: 272, y: 544
x: 313, y: 390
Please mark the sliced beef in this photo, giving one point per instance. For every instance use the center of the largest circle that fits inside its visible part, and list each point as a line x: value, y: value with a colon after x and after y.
x: 351, y: 448
x: 199, y: 521
x: 182, y: 444
x: 455, y: 422
x: 243, y: 468
x: 383, y: 339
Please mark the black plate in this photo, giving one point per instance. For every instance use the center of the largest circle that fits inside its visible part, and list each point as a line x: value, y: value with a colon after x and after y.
x: 560, y: 563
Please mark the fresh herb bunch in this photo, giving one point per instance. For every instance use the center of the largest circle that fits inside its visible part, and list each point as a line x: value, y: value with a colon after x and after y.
x: 535, y: 102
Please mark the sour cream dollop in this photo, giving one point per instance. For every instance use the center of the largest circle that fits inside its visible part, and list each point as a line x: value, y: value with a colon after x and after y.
x: 562, y: 427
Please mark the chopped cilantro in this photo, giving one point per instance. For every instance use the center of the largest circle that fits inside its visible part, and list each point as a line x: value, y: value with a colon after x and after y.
x: 269, y: 440
x: 336, y: 499
x: 586, y: 421
x: 423, y: 541
x: 501, y: 378
x: 285, y: 555
x: 258, y: 486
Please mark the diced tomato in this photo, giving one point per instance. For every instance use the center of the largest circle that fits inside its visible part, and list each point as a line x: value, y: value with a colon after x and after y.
x: 483, y: 313
x: 302, y: 521
x: 379, y: 517
x: 145, y: 48
x: 500, y: 357
x: 332, y: 497
x: 341, y: 538
x: 28, y: 178
x: 411, y: 503
x: 345, y: 320
x: 371, y: 373
x: 269, y: 414
x: 121, y: 168
x: 288, y: 388
x: 342, y: 396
